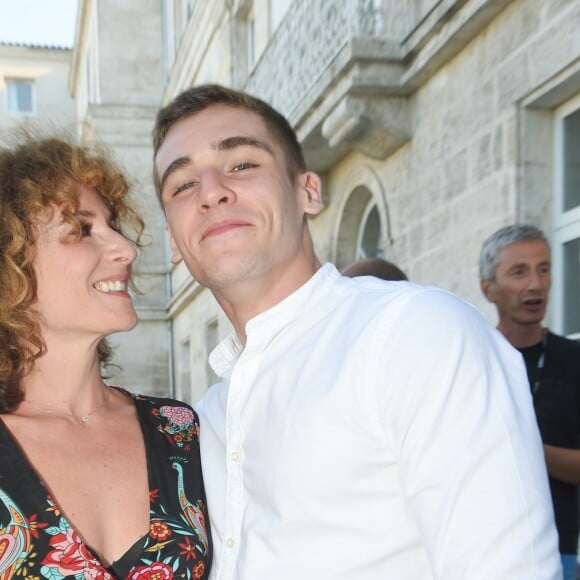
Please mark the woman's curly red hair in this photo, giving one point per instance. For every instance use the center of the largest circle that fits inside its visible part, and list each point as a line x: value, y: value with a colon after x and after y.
x: 35, y: 174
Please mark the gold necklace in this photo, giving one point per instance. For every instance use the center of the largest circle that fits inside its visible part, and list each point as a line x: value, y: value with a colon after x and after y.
x: 81, y: 418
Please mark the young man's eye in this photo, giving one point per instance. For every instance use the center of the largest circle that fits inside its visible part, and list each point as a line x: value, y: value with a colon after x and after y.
x: 183, y: 187
x: 242, y: 166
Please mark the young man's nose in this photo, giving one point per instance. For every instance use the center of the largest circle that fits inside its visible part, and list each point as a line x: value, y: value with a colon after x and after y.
x: 213, y: 190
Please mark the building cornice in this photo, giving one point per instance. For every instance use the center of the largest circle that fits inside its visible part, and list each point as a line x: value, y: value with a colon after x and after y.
x: 359, y: 99
x: 27, y: 53
x: 35, y: 47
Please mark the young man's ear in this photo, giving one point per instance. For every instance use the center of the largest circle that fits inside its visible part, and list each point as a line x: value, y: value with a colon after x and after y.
x: 175, y: 253
x: 311, y: 185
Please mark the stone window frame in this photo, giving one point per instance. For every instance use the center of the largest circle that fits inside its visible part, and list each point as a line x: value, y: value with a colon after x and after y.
x: 565, y: 224
x: 360, y: 193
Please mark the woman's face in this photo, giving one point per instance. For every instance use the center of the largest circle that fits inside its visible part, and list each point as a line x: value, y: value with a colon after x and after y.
x: 82, y: 285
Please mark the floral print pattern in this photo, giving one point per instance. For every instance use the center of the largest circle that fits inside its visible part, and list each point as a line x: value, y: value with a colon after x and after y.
x: 69, y: 556
x: 178, y: 425
x: 155, y: 571
x: 44, y: 545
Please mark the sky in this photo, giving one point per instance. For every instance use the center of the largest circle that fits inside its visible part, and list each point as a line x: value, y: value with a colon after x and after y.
x: 43, y: 22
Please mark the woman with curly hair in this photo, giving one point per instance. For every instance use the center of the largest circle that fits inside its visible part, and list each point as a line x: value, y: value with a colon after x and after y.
x: 95, y: 482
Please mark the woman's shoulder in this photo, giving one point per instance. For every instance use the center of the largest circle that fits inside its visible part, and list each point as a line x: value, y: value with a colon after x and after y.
x: 163, y: 408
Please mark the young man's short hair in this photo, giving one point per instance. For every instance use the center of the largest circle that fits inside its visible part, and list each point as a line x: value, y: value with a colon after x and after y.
x: 197, y: 99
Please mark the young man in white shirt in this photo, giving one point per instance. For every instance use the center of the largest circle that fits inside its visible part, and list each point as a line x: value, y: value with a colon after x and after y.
x: 362, y: 429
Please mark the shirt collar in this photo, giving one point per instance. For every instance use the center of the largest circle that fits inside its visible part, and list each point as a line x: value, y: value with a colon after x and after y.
x: 264, y: 327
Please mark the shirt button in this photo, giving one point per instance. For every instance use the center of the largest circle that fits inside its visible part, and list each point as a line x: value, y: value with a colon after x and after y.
x: 229, y: 542
x: 235, y: 456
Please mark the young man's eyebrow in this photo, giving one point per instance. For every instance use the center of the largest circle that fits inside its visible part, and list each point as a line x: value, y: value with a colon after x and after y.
x: 242, y: 141
x: 172, y: 168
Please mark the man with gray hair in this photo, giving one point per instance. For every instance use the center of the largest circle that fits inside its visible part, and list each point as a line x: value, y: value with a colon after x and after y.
x: 515, y: 275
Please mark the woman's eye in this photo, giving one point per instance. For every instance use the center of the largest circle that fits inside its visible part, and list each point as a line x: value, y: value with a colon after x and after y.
x: 86, y: 228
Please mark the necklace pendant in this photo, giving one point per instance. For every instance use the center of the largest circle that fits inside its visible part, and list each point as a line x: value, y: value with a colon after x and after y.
x: 85, y: 418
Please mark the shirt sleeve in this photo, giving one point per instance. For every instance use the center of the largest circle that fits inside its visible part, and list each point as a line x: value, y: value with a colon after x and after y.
x: 458, y: 410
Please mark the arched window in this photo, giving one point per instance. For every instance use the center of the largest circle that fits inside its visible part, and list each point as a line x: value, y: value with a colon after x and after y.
x: 370, y: 235
x: 363, y: 230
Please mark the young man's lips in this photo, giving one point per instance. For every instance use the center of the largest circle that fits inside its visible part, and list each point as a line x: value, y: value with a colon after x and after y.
x: 223, y: 227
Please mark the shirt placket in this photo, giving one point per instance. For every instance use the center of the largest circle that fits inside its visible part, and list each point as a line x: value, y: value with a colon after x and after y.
x: 242, y: 377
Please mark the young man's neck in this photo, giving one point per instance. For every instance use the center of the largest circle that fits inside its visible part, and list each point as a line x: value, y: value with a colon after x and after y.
x: 522, y: 336
x: 247, y: 300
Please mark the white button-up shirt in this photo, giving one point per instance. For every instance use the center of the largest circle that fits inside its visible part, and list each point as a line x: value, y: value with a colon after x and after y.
x: 374, y: 431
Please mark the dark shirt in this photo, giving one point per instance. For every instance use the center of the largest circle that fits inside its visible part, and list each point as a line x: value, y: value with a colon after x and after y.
x: 557, y: 406
x: 37, y: 540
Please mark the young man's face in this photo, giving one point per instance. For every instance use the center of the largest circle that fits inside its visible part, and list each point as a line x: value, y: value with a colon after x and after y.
x: 232, y: 209
x: 522, y: 282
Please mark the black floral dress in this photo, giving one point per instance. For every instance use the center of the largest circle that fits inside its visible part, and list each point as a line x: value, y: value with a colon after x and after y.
x: 37, y: 541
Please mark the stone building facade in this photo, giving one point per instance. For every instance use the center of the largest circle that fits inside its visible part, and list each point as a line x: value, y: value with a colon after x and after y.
x: 431, y: 122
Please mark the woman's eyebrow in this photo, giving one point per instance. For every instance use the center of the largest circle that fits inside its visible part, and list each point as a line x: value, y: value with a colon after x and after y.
x: 85, y: 213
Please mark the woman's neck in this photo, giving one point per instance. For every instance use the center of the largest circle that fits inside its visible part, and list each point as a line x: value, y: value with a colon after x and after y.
x: 67, y: 380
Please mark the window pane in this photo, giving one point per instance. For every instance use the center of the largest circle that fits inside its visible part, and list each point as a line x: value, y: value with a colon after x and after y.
x: 572, y: 161
x: 19, y: 96
x: 371, y: 235
x: 572, y: 287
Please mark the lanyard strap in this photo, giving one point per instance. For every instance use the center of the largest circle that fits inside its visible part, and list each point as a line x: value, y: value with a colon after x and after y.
x: 541, y: 362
